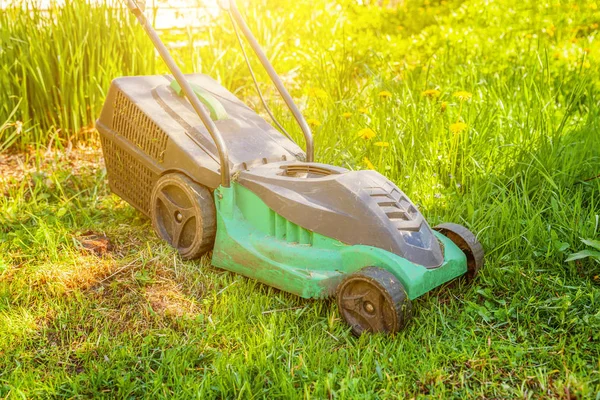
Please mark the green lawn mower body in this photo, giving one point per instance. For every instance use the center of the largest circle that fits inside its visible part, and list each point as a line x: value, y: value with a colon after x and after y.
x: 255, y: 241
x: 212, y: 174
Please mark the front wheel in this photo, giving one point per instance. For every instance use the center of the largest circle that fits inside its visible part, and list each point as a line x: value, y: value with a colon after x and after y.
x: 373, y: 300
x: 467, y: 242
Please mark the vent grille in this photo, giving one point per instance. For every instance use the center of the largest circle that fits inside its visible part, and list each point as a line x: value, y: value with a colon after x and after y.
x: 399, y: 210
x: 128, y: 177
x: 131, y: 123
x: 285, y: 230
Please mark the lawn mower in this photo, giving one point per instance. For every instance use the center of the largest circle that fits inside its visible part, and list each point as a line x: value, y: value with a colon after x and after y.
x: 214, y: 175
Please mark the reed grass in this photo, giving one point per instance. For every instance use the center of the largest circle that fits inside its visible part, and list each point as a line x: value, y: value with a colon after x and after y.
x: 57, y: 65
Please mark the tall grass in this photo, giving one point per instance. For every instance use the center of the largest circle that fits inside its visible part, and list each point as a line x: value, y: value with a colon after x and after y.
x: 56, y: 64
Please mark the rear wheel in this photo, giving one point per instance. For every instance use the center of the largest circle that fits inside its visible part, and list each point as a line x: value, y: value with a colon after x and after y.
x: 373, y: 300
x: 467, y: 242
x: 183, y: 214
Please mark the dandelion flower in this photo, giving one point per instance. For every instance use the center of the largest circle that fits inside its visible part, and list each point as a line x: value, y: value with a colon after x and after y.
x: 586, y: 64
x: 366, y: 134
x: 316, y: 92
x: 313, y: 122
x: 462, y: 95
x: 368, y: 163
x: 382, y: 144
x: 550, y: 30
x: 458, y: 127
x: 363, y: 111
x: 347, y: 115
x: 443, y: 106
x: 385, y: 94
x: 431, y: 93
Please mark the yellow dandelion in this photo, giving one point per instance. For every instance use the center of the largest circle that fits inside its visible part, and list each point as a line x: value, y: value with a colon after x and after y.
x: 431, y: 93
x: 385, y: 94
x: 462, y: 95
x: 443, y: 106
x: 347, y: 115
x: 366, y: 134
x: 368, y: 163
x: 382, y: 144
x: 316, y: 92
x: 313, y: 122
x: 458, y: 127
x: 586, y: 64
x: 550, y: 30
x: 363, y: 111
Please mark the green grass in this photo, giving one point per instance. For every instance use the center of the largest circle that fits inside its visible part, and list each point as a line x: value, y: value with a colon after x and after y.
x: 56, y: 65
x: 140, y: 322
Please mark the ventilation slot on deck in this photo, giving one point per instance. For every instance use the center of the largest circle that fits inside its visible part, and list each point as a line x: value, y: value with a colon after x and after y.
x: 396, y: 207
x: 131, y: 123
x: 287, y: 231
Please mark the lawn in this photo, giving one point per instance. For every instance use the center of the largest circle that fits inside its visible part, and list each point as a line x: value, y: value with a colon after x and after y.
x: 485, y: 112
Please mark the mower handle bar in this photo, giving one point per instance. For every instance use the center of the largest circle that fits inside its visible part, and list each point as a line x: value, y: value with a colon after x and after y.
x: 197, y: 105
x: 237, y: 16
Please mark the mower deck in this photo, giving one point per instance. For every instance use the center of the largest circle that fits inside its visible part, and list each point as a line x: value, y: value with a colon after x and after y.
x: 256, y: 242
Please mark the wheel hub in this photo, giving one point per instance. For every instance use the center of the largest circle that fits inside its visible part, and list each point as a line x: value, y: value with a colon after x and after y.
x: 178, y: 216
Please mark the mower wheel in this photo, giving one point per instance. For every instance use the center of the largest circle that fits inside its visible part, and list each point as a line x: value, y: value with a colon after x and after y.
x: 467, y: 242
x: 183, y: 214
x: 373, y: 300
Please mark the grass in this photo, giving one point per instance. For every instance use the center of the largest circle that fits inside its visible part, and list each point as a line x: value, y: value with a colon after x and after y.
x: 57, y: 65
x: 137, y: 321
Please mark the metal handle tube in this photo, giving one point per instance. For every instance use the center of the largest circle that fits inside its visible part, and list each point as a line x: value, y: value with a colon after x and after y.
x: 276, y: 80
x: 187, y: 90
